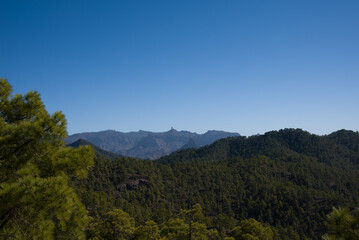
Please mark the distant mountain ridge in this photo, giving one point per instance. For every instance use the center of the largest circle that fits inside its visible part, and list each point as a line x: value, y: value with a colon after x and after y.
x: 149, y: 145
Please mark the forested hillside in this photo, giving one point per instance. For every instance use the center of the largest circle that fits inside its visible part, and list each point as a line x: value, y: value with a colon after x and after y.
x: 339, y: 148
x: 288, y: 179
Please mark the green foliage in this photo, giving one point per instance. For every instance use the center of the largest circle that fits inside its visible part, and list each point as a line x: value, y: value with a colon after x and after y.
x: 189, y: 226
x: 116, y: 224
x: 175, y: 229
x: 193, y: 215
x: 35, y: 166
x: 343, y: 224
x: 149, y: 231
x: 250, y: 229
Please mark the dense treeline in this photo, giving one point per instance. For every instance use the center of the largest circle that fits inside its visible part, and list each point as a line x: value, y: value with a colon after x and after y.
x: 189, y: 224
x: 288, y: 179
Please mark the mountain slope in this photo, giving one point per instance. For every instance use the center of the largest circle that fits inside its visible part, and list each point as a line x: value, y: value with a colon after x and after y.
x: 191, y: 144
x: 289, y: 179
x: 137, y: 144
x: 334, y: 148
x: 98, y: 151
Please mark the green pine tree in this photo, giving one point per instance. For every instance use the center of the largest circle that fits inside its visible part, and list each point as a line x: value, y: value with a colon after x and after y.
x: 35, y: 167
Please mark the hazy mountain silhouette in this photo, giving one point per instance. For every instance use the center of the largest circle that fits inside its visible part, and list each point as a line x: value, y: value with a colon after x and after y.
x: 98, y: 151
x: 146, y: 144
x: 191, y: 144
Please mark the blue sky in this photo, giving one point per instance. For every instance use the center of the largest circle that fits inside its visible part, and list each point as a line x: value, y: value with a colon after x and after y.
x: 246, y: 66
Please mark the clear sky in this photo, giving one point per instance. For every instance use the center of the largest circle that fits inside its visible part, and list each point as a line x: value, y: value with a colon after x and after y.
x: 247, y: 66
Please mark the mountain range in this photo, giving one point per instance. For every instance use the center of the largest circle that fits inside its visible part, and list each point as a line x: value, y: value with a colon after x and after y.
x: 146, y: 144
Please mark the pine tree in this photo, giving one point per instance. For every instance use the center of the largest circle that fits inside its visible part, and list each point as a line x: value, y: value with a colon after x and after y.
x: 343, y: 224
x: 252, y: 230
x: 149, y: 231
x: 35, y: 167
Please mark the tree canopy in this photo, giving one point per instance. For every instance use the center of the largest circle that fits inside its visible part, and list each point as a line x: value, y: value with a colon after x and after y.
x: 35, y: 169
x: 342, y: 224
